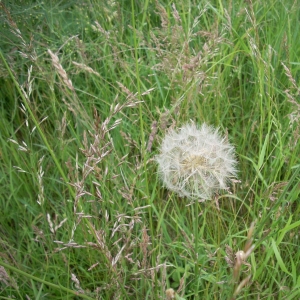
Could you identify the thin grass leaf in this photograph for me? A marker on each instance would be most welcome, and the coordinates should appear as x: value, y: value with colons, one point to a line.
x: 279, y: 258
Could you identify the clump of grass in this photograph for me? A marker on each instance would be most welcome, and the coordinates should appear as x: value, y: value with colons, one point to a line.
x: 88, y: 92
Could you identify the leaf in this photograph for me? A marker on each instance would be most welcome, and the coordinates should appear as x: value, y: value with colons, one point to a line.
x: 263, y: 152
x: 279, y: 259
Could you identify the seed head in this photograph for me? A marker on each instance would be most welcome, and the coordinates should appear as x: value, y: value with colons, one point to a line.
x: 196, y: 161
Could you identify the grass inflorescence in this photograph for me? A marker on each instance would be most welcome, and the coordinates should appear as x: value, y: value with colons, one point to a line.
x: 90, y: 93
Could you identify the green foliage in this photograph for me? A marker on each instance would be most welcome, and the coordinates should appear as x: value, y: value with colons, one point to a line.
x: 88, y: 91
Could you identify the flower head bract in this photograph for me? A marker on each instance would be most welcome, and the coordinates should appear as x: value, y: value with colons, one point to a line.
x: 196, y: 162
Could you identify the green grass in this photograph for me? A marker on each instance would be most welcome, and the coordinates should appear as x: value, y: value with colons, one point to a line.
x: 83, y: 213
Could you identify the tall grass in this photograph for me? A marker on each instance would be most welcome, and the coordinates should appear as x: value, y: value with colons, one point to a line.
x: 88, y: 91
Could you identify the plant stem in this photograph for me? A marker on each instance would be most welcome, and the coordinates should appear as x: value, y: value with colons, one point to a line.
x: 196, y: 237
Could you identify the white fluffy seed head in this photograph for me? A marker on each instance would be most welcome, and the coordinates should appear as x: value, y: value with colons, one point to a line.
x: 196, y: 161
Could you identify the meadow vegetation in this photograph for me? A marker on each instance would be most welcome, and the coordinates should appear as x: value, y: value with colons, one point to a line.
x: 88, y: 91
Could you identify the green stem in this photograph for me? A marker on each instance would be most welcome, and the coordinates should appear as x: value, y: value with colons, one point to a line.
x: 141, y: 114
x: 196, y: 237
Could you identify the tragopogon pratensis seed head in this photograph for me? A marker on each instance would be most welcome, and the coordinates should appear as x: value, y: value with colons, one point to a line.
x: 196, y: 161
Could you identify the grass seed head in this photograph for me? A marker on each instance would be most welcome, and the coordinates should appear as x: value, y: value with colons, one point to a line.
x: 196, y: 161
x: 170, y: 294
